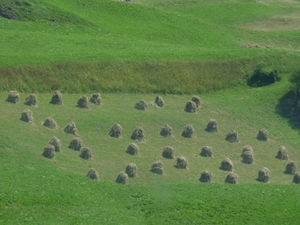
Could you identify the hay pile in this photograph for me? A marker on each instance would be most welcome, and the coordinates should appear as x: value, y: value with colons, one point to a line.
x: 75, y: 144
x: 190, y: 107
x: 205, y: 176
x: 138, y: 134
x: 86, y: 153
x: 206, y: 151
x: 93, y: 174
x: 226, y: 165
x: 282, y: 153
x: 197, y: 100
x: 212, y: 126
x: 83, y: 102
x: 57, y: 98
x: 262, y: 135
x: 232, y: 136
x: 246, y: 149
x: 26, y: 116
x: 31, y: 100
x: 296, y: 178
x: 49, y: 152
x: 141, y: 105
x: 115, y: 131
x: 159, y: 101
x: 231, y: 178
x: 188, y: 131
x: 168, y: 152
x: 264, y: 175
x: 71, y: 129
x: 181, y: 162
x: 55, y: 142
x: 166, y: 130
x: 122, y: 178
x: 132, y: 149
x: 95, y: 99
x: 50, y: 123
x: 157, y: 167
x: 131, y: 170
x: 291, y: 167
x: 13, y: 97
x: 247, y: 154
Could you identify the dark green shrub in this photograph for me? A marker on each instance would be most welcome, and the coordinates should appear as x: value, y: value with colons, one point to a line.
x: 262, y: 77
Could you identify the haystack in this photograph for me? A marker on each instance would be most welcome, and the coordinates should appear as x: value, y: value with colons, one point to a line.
x: 206, y: 151
x: 122, y: 178
x: 31, y: 100
x: 231, y: 178
x: 166, y: 130
x: 49, y: 151
x: 291, y: 167
x: 115, y: 131
x: 232, y: 136
x: 86, y: 153
x: 93, y: 174
x: 188, y: 131
x: 296, y: 178
x: 262, y: 135
x: 159, y: 101
x: 50, y: 123
x: 132, y: 149
x: 83, y: 102
x: 157, y: 167
x: 197, y: 100
x: 75, y: 144
x: 95, y: 99
x: 71, y: 129
x: 141, y: 105
x: 181, y: 162
x: 131, y: 170
x: 56, y: 144
x: 247, y: 148
x: 190, y: 107
x: 205, y: 176
x: 226, y: 165
x: 13, y: 97
x: 168, y: 152
x: 57, y: 98
x: 138, y: 134
x: 247, y: 157
x: 212, y: 126
x: 26, y: 116
x: 282, y: 153
x: 264, y: 175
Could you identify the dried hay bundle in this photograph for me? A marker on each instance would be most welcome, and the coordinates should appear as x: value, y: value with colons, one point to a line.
x: 226, y: 165
x: 83, y: 102
x: 159, y: 101
x: 232, y: 136
x: 31, y: 100
x: 75, y: 144
x: 181, y: 162
x: 141, y: 105
x: 212, y: 126
x: 247, y: 148
x: 71, y: 129
x: 86, y: 153
x: 296, y: 178
x: 190, y: 107
x: 197, y: 100
x: 291, y: 167
x: 122, y: 178
x: 188, y: 131
x: 132, y: 149
x: 206, y: 151
x: 115, y: 131
x: 168, y: 152
x: 93, y: 174
x: 131, y: 170
x: 57, y: 98
x: 157, y: 167
x: 26, y: 116
x: 205, y: 176
x: 56, y: 144
x: 49, y: 151
x: 264, y: 175
x: 13, y: 97
x: 262, y: 135
x: 95, y: 99
x: 231, y: 178
x: 166, y: 130
x: 50, y: 123
x: 247, y: 157
x: 138, y: 134
x: 282, y: 153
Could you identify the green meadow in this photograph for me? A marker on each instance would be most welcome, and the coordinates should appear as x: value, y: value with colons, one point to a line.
x: 133, y: 51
